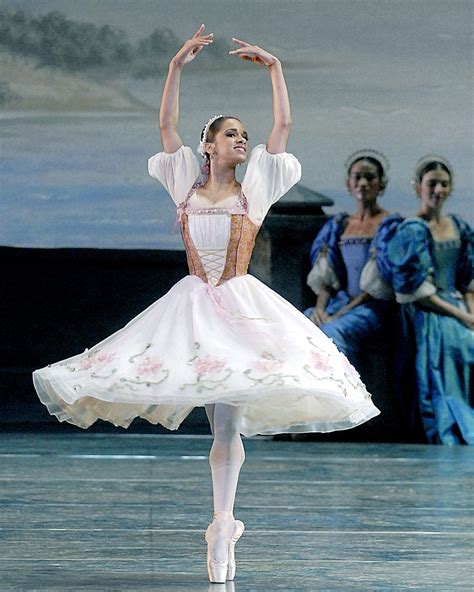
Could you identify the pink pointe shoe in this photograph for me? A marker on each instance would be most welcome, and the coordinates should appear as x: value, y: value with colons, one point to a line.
x: 221, y: 536
x: 238, y: 532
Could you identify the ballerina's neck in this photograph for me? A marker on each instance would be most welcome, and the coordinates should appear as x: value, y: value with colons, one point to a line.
x: 218, y: 188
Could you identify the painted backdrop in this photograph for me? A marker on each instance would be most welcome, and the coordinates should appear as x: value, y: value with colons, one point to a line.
x: 80, y: 84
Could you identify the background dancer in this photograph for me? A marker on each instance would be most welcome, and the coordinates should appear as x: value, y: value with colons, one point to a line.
x: 433, y: 276
x: 350, y: 274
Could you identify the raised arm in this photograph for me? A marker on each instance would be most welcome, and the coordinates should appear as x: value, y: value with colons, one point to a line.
x: 278, y: 137
x: 169, y: 107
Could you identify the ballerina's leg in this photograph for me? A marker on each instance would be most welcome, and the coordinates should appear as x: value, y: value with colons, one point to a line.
x: 226, y: 458
x: 227, y: 454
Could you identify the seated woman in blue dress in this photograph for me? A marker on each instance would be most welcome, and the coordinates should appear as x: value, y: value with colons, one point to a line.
x: 432, y: 258
x: 350, y: 275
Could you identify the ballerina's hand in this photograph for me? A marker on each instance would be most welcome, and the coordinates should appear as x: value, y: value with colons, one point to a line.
x: 193, y: 46
x: 253, y: 53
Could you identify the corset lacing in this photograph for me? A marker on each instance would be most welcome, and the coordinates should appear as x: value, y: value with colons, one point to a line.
x: 213, y: 260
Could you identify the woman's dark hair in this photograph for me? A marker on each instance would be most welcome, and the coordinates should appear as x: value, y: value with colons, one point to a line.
x: 215, y: 127
x: 378, y: 165
x: 432, y: 165
x: 372, y: 160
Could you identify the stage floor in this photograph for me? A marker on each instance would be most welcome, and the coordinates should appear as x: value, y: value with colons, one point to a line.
x: 126, y: 512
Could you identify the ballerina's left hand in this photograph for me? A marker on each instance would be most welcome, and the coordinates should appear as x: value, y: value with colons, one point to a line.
x: 253, y: 53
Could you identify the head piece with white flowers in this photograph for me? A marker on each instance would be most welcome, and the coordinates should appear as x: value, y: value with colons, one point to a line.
x: 432, y: 162
x: 374, y: 157
x: 205, y: 133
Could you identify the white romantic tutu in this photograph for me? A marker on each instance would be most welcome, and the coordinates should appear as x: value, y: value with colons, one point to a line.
x: 239, y: 343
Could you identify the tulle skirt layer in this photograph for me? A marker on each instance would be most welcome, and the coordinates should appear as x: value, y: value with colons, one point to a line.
x: 239, y: 343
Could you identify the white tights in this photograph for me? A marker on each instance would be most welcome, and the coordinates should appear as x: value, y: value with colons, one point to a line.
x: 227, y: 454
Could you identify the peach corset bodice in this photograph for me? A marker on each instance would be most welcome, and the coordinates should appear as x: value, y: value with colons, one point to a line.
x: 219, y: 240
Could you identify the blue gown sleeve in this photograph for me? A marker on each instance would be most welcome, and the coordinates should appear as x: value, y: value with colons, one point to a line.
x: 327, y: 241
x: 409, y: 256
x: 386, y: 231
x: 465, y: 267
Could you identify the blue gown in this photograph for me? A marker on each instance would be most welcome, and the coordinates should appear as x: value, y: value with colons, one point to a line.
x: 442, y: 346
x: 350, y: 266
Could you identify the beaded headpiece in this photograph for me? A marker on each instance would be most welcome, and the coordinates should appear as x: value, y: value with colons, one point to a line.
x: 368, y: 152
x: 432, y: 158
x: 205, y: 131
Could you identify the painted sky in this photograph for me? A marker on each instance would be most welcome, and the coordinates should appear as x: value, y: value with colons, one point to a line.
x: 394, y: 75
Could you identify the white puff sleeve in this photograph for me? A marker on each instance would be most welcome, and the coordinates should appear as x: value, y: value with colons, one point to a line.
x: 426, y: 289
x: 322, y: 274
x: 268, y: 177
x: 177, y: 171
x: 372, y: 282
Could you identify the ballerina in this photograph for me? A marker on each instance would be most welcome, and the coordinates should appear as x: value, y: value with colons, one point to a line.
x: 219, y: 338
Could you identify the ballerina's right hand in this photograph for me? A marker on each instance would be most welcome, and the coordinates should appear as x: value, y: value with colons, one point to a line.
x: 193, y: 46
x: 253, y: 53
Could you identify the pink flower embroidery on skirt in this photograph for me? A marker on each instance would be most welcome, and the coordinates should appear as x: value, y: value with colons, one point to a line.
x: 266, y: 364
x: 149, y: 366
x: 349, y: 369
x: 321, y: 362
x: 208, y: 365
x: 97, y: 361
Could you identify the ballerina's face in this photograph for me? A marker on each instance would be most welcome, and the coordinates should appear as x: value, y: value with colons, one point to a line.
x: 364, y: 182
x: 434, y: 189
x: 230, y: 143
